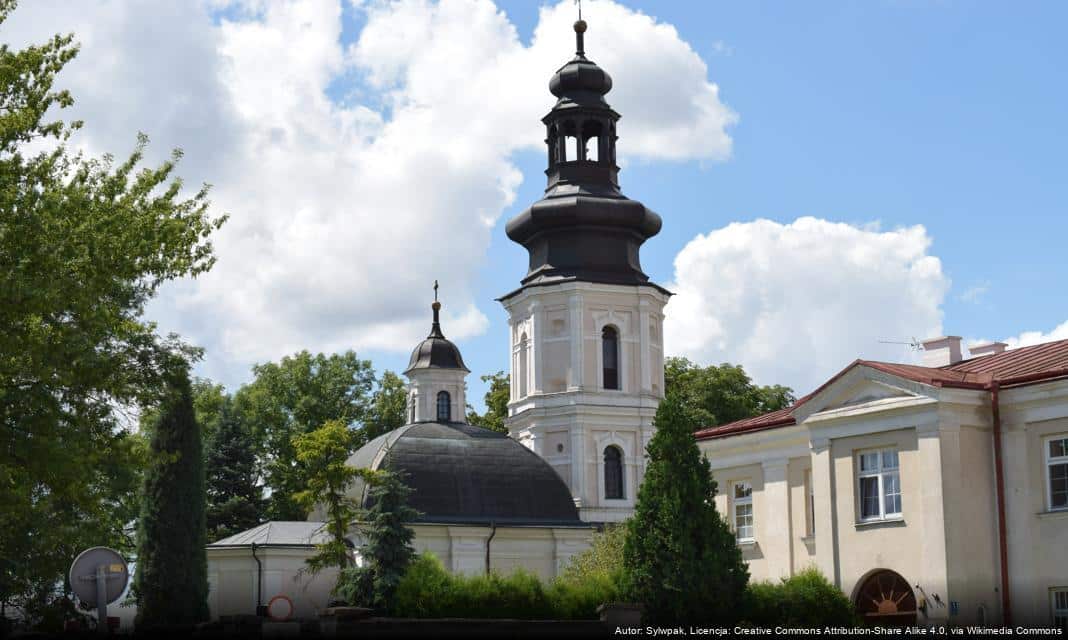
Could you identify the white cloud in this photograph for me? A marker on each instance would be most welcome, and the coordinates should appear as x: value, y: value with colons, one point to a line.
x: 794, y: 303
x: 975, y: 293
x: 341, y: 214
x: 1028, y: 338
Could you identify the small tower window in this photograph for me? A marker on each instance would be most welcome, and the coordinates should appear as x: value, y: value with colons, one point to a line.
x: 444, y: 406
x: 523, y: 366
x: 411, y: 409
x: 613, y: 473
x: 610, y: 357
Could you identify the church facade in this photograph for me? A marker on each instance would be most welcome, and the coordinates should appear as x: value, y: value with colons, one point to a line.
x: 587, y: 374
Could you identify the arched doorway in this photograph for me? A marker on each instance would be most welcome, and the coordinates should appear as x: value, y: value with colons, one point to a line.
x: 886, y: 599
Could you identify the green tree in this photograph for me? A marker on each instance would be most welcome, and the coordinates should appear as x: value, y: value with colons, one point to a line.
x: 496, y: 404
x: 172, y: 573
x: 718, y: 395
x: 84, y: 244
x: 387, y: 548
x: 294, y: 396
x: 324, y: 453
x: 389, y: 408
x: 680, y: 558
x: 235, y: 500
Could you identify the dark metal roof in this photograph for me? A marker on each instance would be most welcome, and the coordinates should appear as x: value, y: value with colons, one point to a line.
x: 584, y: 228
x: 461, y: 474
x: 436, y: 352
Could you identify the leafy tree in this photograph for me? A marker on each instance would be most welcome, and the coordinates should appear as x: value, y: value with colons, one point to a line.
x: 235, y: 501
x: 323, y: 453
x: 295, y: 396
x: 172, y: 573
x: 680, y: 558
x: 718, y: 395
x: 84, y: 244
x: 604, y: 558
x: 387, y: 548
x: 496, y: 404
x: 389, y: 408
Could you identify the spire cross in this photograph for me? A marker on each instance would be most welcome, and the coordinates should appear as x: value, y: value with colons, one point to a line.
x: 435, y: 291
x: 579, y: 3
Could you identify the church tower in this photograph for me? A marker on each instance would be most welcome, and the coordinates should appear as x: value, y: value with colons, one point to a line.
x: 436, y: 377
x: 587, y: 366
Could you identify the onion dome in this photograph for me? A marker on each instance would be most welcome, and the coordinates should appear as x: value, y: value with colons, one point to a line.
x: 436, y: 352
x: 580, y: 82
x: 461, y: 474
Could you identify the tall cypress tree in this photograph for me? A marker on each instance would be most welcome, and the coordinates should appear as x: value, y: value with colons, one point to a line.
x: 235, y: 501
x: 172, y: 575
x: 680, y: 558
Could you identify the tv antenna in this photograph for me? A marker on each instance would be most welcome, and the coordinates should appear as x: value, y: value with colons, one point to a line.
x: 98, y: 576
x: 914, y: 344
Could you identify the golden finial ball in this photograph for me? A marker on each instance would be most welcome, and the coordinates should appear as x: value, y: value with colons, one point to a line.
x: 580, y: 26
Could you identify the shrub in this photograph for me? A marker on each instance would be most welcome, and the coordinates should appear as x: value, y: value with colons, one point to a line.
x: 807, y: 599
x: 428, y: 590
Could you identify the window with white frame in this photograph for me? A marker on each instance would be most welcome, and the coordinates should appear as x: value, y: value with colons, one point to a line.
x: 1059, y: 607
x: 879, y: 484
x: 1057, y: 472
x: 743, y: 511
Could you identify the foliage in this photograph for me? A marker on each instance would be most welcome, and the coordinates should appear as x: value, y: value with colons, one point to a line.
x: 427, y: 590
x: 171, y: 576
x: 235, y: 501
x: 718, y: 395
x: 680, y: 558
x: 604, y: 558
x: 388, y: 408
x: 323, y: 453
x: 295, y: 396
x: 84, y: 244
x: 387, y: 548
x: 496, y: 404
x: 807, y: 599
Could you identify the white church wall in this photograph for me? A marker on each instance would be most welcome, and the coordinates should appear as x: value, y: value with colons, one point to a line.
x: 233, y: 574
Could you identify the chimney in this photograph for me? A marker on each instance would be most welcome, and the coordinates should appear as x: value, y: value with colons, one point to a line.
x: 941, y: 352
x: 987, y: 349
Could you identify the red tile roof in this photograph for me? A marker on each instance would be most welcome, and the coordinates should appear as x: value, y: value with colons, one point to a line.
x: 1025, y: 365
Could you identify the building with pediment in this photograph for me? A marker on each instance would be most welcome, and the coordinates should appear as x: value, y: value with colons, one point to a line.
x: 929, y: 494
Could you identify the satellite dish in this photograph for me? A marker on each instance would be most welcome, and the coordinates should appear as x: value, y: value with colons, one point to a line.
x: 98, y: 577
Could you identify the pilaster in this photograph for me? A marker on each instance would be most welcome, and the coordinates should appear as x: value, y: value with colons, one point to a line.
x: 773, y: 524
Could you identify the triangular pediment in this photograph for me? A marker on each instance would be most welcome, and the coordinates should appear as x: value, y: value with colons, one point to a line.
x: 862, y: 388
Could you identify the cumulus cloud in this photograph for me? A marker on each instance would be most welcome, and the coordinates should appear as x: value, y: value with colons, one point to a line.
x: 1028, y: 338
x: 794, y: 303
x: 343, y: 210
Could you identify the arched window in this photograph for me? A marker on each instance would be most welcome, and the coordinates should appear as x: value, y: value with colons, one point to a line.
x: 411, y: 409
x: 610, y: 357
x: 613, y: 473
x: 444, y: 406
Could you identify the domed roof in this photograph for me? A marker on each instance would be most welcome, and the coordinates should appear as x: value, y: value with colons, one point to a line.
x: 580, y: 81
x: 436, y: 352
x: 461, y: 474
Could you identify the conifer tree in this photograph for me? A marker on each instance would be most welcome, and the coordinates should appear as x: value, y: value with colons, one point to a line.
x: 171, y: 575
x: 387, y: 548
x: 680, y: 558
x: 235, y: 501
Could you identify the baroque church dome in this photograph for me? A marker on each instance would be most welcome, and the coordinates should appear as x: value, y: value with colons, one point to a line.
x: 462, y: 474
x: 459, y: 473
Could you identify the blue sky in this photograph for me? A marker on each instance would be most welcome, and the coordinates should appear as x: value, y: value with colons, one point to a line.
x: 949, y: 114
x: 830, y: 174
